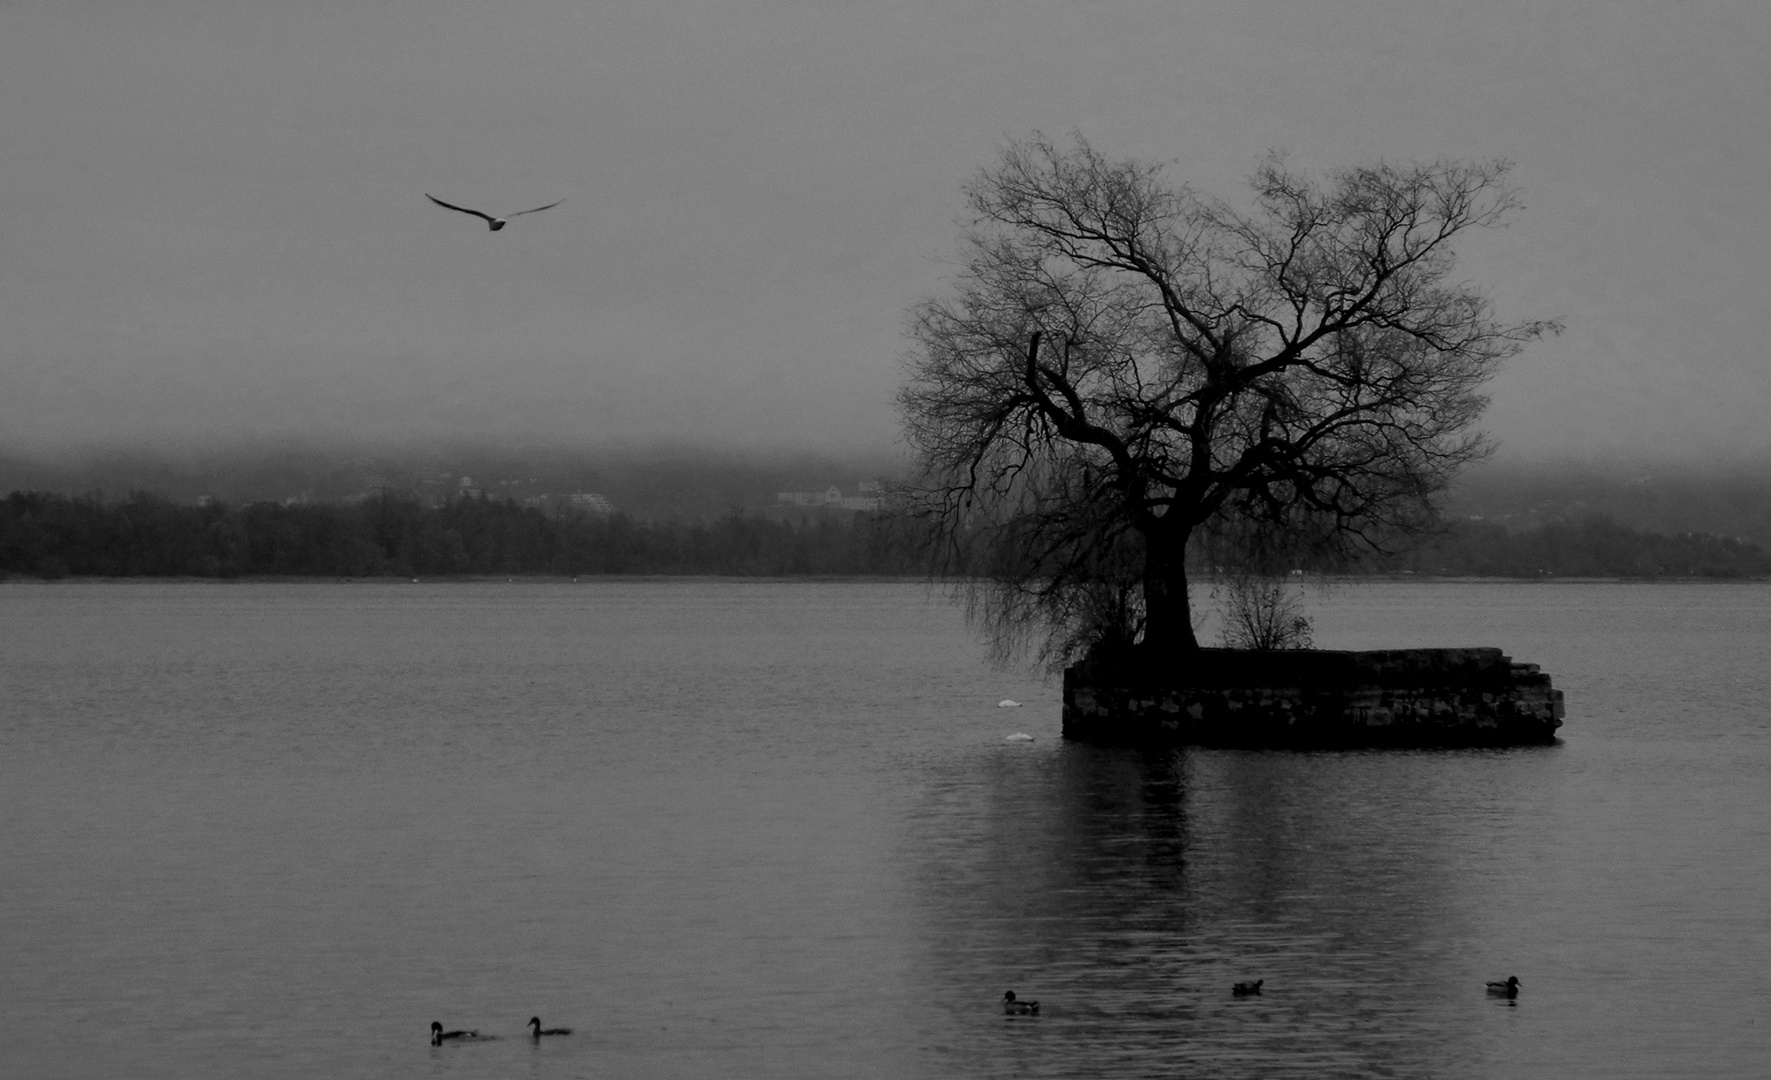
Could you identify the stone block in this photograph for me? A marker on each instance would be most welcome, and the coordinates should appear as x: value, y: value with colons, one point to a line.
x: 1394, y: 697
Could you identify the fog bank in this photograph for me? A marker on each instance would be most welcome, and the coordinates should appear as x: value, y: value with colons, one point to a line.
x: 217, y: 225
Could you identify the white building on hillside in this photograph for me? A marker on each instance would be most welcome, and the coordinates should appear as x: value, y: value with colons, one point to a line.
x: 832, y: 497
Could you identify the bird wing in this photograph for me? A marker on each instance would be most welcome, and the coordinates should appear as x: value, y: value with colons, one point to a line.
x: 537, y: 210
x: 463, y: 209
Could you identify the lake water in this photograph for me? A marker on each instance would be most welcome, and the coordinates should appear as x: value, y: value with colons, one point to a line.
x: 774, y: 830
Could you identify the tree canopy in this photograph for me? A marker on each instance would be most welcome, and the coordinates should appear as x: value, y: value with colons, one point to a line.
x: 1125, y: 367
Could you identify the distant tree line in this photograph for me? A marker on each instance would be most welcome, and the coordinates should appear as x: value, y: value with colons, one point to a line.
x: 53, y: 536
x: 1592, y: 547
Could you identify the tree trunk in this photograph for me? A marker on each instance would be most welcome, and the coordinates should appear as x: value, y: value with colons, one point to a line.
x: 1168, y: 613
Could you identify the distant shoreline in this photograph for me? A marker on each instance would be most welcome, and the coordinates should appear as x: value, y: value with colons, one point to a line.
x: 821, y: 579
x: 51, y: 537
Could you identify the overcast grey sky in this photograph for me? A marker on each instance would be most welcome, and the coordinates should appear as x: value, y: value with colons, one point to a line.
x: 215, y: 221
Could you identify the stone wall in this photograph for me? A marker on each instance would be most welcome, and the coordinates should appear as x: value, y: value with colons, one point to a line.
x: 1316, y: 698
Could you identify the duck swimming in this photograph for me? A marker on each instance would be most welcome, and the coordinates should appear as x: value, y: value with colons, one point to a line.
x: 438, y: 1036
x: 1246, y: 989
x: 1508, y: 989
x: 536, y: 1030
x: 1011, y: 1007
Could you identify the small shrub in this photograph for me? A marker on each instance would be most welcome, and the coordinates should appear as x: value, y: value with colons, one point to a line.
x: 1264, y: 612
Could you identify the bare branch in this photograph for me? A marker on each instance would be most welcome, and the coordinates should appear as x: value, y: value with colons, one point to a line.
x: 1124, y: 366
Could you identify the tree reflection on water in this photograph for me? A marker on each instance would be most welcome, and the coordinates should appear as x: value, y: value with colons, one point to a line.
x: 1129, y: 889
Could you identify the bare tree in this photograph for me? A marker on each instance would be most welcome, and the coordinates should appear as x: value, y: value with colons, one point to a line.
x: 1263, y: 611
x: 1125, y: 367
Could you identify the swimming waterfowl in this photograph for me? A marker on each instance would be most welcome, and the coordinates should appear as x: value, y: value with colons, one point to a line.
x: 1244, y: 989
x: 1509, y: 989
x: 493, y: 223
x: 537, y: 1030
x: 1018, y: 1008
x: 438, y: 1036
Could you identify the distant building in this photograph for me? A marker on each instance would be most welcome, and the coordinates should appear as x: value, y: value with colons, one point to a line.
x: 832, y: 496
x: 592, y: 502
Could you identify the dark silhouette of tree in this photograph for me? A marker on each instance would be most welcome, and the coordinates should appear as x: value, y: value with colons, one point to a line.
x: 1126, y: 367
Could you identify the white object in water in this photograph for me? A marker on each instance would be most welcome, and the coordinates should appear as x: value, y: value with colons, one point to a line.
x: 1019, y: 736
x: 1008, y: 703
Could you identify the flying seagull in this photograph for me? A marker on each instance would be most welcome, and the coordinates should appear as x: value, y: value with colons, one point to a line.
x: 493, y: 223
